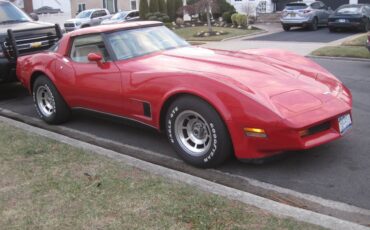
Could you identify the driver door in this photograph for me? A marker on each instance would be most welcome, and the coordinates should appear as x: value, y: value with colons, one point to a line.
x: 97, y: 85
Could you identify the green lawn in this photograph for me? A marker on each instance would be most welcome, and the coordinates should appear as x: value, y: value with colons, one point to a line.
x: 189, y: 32
x: 354, y: 48
x: 358, y: 41
x: 48, y: 185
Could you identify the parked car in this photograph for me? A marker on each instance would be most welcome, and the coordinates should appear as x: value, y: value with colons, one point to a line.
x: 368, y: 42
x: 354, y: 16
x: 47, y: 10
x: 123, y: 16
x: 210, y: 103
x: 20, y: 35
x: 86, y: 18
x: 305, y: 14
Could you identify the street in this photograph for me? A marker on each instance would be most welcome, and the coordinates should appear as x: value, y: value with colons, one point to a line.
x: 337, y: 171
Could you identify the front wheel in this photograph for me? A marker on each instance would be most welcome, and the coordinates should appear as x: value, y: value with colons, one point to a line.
x: 286, y: 27
x: 315, y: 24
x: 49, y: 104
x: 197, y: 132
x: 366, y: 26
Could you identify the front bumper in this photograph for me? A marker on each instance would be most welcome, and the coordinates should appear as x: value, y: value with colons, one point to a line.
x: 286, y: 135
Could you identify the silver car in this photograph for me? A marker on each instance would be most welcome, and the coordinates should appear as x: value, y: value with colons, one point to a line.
x: 87, y: 18
x: 305, y: 14
x: 123, y: 16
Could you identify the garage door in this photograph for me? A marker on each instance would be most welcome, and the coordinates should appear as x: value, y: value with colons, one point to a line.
x: 364, y: 1
x: 280, y: 5
x: 334, y: 4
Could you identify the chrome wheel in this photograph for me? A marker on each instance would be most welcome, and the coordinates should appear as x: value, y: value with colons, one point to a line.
x: 45, y: 101
x: 193, y: 133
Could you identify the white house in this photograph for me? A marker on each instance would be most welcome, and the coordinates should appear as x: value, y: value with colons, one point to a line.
x: 64, y: 5
x: 269, y: 6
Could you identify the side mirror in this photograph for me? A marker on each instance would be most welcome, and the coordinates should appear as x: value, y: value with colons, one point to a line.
x: 34, y: 16
x: 94, y: 57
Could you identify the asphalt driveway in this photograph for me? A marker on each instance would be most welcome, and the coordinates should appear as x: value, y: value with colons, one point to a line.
x: 304, y: 35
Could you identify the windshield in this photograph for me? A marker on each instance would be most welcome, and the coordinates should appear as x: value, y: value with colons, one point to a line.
x: 84, y: 14
x: 296, y: 6
x: 349, y: 10
x: 118, y: 16
x: 138, y: 42
x: 10, y: 14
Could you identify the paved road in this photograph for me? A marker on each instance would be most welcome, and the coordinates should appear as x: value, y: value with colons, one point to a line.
x: 304, y: 35
x: 338, y: 171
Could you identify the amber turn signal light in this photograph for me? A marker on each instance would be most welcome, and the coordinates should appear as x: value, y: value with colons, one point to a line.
x: 255, y: 132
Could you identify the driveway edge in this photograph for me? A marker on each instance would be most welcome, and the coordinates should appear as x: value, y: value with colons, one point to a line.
x: 339, y: 58
x: 274, y: 207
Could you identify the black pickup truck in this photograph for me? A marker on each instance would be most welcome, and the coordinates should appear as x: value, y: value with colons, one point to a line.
x: 20, y: 35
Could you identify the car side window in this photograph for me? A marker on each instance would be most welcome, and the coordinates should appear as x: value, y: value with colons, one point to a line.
x: 315, y: 5
x: 95, y: 14
x: 84, y: 45
x: 103, y: 13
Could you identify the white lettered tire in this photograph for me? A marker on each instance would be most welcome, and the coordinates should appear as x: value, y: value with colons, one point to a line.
x: 197, y: 132
x: 49, y: 104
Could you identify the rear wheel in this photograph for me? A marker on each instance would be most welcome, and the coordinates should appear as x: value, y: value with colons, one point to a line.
x: 286, y: 27
x: 366, y: 26
x: 315, y: 24
x: 197, y: 132
x: 49, y: 104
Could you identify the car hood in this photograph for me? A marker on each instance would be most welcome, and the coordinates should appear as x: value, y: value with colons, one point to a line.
x: 112, y: 21
x: 74, y: 20
x: 31, y: 25
x: 293, y: 85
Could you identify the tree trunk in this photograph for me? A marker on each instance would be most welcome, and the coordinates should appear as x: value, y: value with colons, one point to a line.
x: 209, y: 19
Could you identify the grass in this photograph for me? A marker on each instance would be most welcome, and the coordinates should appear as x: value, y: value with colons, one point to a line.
x: 358, y: 41
x: 354, y: 48
x: 48, y: 185
x: 189, y: 32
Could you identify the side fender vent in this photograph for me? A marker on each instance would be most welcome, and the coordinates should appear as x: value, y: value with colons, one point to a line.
x: 147, y: 109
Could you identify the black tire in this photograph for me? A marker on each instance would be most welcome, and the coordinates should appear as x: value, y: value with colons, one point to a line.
x: 85, y: 26
x: 314, y: 25
x: 215, y: 131
x: 366, y: 26
x: 286, y: 28
x: 332, y: 29
x: 59, y: 111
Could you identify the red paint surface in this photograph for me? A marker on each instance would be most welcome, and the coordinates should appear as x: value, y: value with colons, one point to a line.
x: 277, y: 91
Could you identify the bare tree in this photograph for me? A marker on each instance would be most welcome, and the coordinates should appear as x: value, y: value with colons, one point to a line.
x: 203, y: 6
x: 249, y: 9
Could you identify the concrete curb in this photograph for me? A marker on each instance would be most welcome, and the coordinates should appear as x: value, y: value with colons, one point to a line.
x: 274, y: 207
x: 339, y: 58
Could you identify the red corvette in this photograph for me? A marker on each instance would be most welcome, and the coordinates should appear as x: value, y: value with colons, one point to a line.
x: 210, y: 103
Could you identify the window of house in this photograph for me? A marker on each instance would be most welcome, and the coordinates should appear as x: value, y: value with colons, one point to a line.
x: 133, y: 5
x: 81, y: 7
x: 110, y: 5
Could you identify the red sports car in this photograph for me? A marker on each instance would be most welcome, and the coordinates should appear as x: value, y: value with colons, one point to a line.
x: 210, y: 103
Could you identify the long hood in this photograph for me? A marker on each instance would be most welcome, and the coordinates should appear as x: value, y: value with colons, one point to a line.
x: 292, y: 86
x: 31, y: 25
x: 75, y: 20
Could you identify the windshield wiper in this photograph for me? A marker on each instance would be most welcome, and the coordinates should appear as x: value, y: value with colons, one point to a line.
x: 12, y: 21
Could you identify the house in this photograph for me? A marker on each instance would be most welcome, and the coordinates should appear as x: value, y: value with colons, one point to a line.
x: 64, y: 5
x: 112, y: 5
x: 269, y: 6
